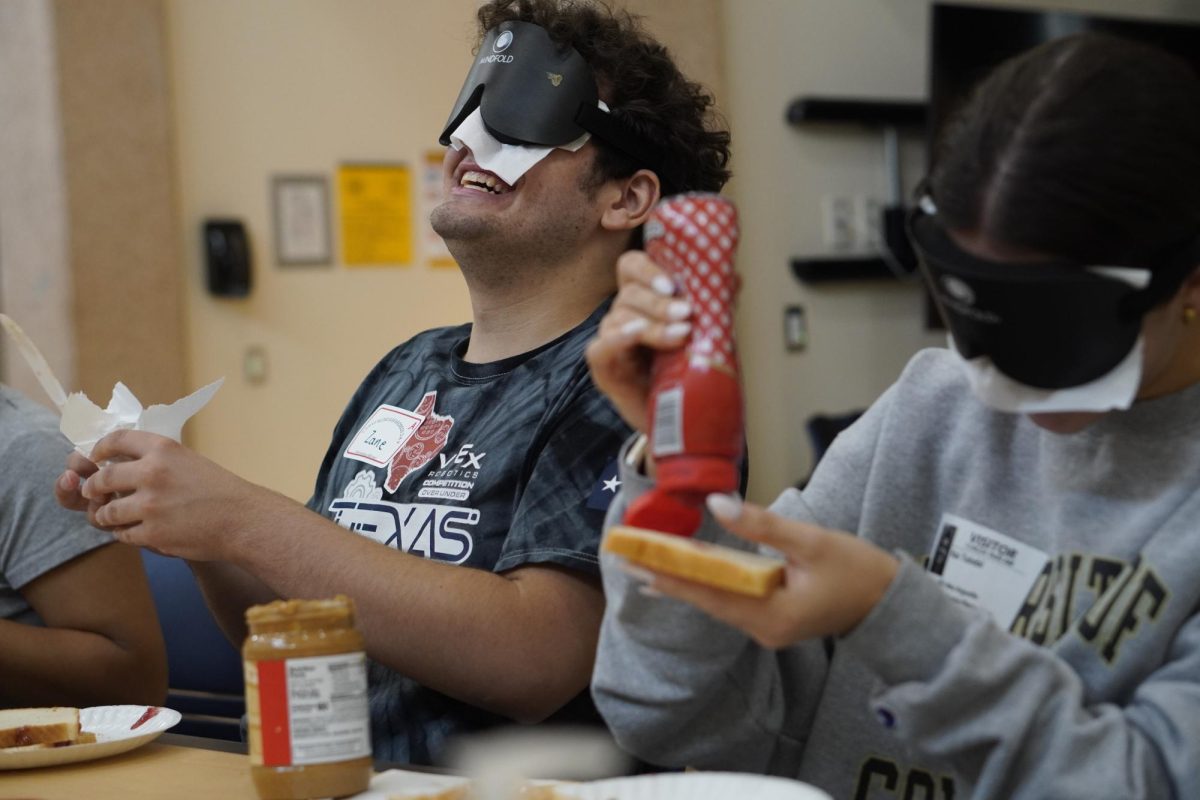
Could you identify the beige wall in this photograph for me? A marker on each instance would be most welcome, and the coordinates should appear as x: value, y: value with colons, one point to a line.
x: 285, y: 86
x: 276, y: 86
x: 127, y: 302
x: 301, y: 85
x: 87, y: 226
x: 862, y: 333
x: 35, y: 280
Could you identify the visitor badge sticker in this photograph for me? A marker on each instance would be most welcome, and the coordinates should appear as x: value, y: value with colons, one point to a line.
x: 382, y: 435
x: 983, y: 568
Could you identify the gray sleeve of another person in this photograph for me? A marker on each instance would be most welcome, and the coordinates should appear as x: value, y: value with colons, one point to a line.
x: 36, y: 533
x: 678, y: 688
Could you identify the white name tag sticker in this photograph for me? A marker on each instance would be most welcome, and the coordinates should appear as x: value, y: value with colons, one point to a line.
x: 382, y: 435
x: 983, y: 568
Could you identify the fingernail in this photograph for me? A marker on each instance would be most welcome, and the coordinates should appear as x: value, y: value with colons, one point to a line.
x: 679, y: 309
x: 677, y: 330
x: 728, y: 506
x: 83, y: 488
x: 663, y: 285
x: 637, y: 573
x: 649, y: 591
x: 634, y: 326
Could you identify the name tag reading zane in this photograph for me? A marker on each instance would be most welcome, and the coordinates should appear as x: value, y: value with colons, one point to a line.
x: 384, y: 433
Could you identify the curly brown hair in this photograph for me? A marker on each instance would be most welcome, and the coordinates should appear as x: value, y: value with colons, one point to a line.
x: 641, y: 85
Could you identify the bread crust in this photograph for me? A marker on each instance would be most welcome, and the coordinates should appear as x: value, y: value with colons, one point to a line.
x: 22, y: 727
x: 702, y: 562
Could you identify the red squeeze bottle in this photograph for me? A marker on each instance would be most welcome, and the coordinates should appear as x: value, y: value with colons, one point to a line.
x: 696, y: 433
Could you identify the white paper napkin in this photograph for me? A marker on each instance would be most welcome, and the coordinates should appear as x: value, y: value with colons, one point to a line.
x: 85, y: 423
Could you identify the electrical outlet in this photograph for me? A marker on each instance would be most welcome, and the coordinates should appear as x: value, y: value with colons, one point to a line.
x: 795, y: 329
x: 837, y: 222
x: 254, y: 364
x: 868, y: 223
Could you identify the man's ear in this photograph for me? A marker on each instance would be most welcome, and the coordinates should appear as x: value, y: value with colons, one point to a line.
x: 629, y: 203
x: 1190, y: 290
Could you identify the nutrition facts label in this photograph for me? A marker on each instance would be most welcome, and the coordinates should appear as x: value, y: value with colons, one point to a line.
x: 314, y: 710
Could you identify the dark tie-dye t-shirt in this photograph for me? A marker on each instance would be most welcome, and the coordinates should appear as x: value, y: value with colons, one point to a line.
x: 492, y: 466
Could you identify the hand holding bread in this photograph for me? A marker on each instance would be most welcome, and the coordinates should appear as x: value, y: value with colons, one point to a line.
x: 831, y: 580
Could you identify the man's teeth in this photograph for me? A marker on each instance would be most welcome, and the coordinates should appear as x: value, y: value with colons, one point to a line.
x: 483, y: 182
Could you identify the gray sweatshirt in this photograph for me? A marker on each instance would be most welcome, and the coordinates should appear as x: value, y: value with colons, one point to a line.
x: 1040, y: 640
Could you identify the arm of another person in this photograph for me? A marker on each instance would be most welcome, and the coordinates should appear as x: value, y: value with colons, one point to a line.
x: 676, y: 686
x: 228, y: 590
x: 1017, y: 719
x: 520, y: 643
x: 101, y: 644
x: 681, y: 689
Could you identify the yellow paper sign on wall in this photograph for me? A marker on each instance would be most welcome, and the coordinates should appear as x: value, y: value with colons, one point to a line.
x: 436, y: 252
x: 375, y: 202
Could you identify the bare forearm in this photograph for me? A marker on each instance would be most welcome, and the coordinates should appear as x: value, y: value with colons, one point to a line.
x: 489, y: 640
x: 229, y: 591
x: 56, y: 666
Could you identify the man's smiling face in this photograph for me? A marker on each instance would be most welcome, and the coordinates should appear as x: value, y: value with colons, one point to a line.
x: 546, y: 215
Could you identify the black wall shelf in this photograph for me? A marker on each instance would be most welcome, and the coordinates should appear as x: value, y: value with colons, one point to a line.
x: 888, y: 117
x: 880, y: 113
x: 832, y: 269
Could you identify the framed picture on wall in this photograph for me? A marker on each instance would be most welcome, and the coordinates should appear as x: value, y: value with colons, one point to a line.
x: 301, y: 211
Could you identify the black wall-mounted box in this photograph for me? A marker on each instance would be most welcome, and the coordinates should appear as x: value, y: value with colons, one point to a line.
x: 227, y: 258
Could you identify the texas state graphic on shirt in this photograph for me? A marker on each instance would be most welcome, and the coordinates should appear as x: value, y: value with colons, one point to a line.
x: 434, y: 531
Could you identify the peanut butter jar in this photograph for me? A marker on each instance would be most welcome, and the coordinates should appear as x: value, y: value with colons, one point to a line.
x: 306, y: 700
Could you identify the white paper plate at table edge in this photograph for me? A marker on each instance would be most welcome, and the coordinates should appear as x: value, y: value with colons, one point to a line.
x: 402, y: 782
x: 692, y: 786
x: 114, y: 734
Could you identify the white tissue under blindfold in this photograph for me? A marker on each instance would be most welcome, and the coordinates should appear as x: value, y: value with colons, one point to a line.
x: 1039, y: 337
x: 524, y: 90
x: 508, y: 161
x: 1113, y: 391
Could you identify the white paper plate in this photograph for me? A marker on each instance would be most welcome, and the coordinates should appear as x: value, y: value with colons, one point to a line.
x: 113, y: 726
x: 692, y: 786
x: 405, y: 783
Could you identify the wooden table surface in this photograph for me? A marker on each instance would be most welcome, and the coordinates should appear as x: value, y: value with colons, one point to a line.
x: 172, y: 767
x: 152, y: 772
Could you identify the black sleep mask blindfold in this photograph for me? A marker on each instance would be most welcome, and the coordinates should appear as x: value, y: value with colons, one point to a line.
x: 531, y: 91
x: 1046, y: 324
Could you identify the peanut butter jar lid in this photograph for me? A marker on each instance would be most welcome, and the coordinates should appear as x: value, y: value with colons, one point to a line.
x: 338, y: 609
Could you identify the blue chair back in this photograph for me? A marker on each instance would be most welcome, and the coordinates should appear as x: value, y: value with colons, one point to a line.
x: 822, y: 429
x: 204, y: 669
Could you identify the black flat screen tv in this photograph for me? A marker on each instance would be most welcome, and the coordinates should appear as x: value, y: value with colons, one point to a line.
x: 968, y: 41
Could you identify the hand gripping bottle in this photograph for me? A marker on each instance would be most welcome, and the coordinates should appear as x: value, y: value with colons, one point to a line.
x: 696, y: 435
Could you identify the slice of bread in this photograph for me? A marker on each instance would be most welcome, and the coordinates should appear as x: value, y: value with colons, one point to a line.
x: 84, y: 738
x: 703, y: 562
x: 540, y: 790
x: 21, y: 727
